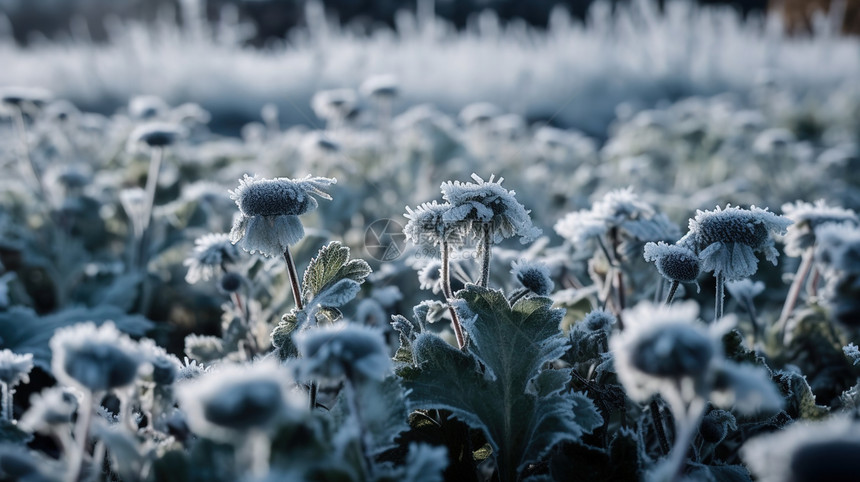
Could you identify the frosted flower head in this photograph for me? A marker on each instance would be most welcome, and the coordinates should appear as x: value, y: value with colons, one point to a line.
x: 231, y: 282
x: 479, y: 113
x: 745, y: 288
x: 426, y: 225
x: 269, y: 208
x: 335, y: 104
x: 621, y: 205
x: 726, y: 240
x: 808, y: 217
x: 15, y: 368
x: 144, y: 107
x: 156, y: 134
x: 165, y: 367
x: 806, y: 452
x: 675, y: 263
x: 342, y: 350
x: 487, y: 203
x: 534, y: 276
x: 579, y: 227
x: 51, y: 408
x: 599, y: 320
x: 95, y: 358
x: 212, y: 254
x: 382, y: 86
x: 837, y: 246
x: 24, y: 96
x: 664, y: 346
x: 430, y: 276
x: 190, y: 369
x: 234, y: 399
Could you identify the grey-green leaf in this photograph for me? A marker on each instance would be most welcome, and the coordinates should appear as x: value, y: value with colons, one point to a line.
x: 332, y: 264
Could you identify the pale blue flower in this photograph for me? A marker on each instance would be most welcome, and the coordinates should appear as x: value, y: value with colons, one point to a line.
x: 487, y: 203
x: 334, y: 105
x: 50, y: 409
x: 269, y: 208
x: 726, y: 240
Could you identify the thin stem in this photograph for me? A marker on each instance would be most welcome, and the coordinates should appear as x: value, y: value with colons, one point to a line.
x: 82, y: 427
x: 21, y: 127
x: 719, y: 296
x: 6, y: 402
x: 657, y: 417
x: 796, y: 284
x: 812, y: 287
x: 485, y: 256
x: 294, y: 278
x: 449, y: 295
x: 672, y: 289
x: 352, y: 401
x: 619, y: 277
x: 686, y: 426
x: 750, y: 307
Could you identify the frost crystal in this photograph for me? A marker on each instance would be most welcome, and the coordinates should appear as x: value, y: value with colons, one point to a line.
x: 212, y: 253
x: 534, y: 276
x: 487, y: 203
x: 269, y: 208
x: 808, y: 217
x: 726, y: 240
x: 806, y: 452
x: 675, y: 263
x: 94, y: 358
x: 342, y: 349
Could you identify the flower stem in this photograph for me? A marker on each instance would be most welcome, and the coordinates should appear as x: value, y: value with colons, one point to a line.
x: 297, y: 296
x: 794, y: 290
x: 27, y: 159
x: 672, y: 289
x: 363, y: 445
x: 686, y: 426
x: 657, y: 417
x: 449, y: 295
x: 719, y: 296
x: 485, y: 257
x: 6, y: 402
x: 82, y: 428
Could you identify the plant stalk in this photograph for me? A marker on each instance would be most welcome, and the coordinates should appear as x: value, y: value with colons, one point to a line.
x: 672, y: 289
x: 485, y: 256
x: 449, y: 295
x: 297, y: 296
x: 796, y: 285
x: 719, y: 296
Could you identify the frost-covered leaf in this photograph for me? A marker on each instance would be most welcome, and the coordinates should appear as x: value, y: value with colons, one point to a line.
x: 331, y: 265
x: 282, y: 338
x: 497, y: 387
x: 122, y: 293
x: 383, y: 412
x: 337, y: 294
x: 800, y: 401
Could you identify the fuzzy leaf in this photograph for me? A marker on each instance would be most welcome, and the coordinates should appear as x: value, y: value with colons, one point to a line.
x: 800, y: 401
x: 383, y: 411
x: 498, y: 387
x: 282, y: 337
x: 331, y: 265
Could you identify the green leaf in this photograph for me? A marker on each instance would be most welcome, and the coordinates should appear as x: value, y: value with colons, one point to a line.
x: 499, y: 387
x: 282, y: 338
x: 332, y: 264
x: 800, y: 401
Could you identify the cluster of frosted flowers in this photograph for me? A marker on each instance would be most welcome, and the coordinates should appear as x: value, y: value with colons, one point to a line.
x: 726, y: 240
x: 808, y: 217
x: 269, y: 209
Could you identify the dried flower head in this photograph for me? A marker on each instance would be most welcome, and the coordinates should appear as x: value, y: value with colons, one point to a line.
x: 487, y: 203
x: 808, y: 217
x: 343, y: 350
x: 190, y: 370
x: 155, y: 134
x: 51, y: 408
x: 234, y: 399
x: 15, y: 368
x: 94, y: 358
x: 675, y: 263
x: 231, y: 282
x: 806, y: 452
x: 726, y: 240
x: 534, y: 276
x: 212, y: 254
x: 269, y: 208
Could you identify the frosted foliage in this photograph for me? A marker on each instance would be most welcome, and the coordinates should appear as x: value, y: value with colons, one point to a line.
x: 343, y: 349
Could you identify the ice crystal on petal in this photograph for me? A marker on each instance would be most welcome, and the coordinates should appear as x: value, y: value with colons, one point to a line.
x: 487, y: 203
x: 726, y: 240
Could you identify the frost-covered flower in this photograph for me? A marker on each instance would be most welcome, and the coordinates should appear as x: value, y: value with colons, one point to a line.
x: 597, y: 320
x: 479, y: 113
x: 487, y: 204
x: 19, y: 96
x: 143, y: 107
x: 204, y: 348
x: 342, y: 350
x: 806, y: 452
x: 190, y: 370
x: 334, y: 105
x: 745, y: 289
x: 94, y: 358
x: 837, y: 247
x: 165, y: 367
x: 427, y: 226
x: 579, y: 227
x: 384, y: 86
x: 155, y: 134
x: 269, y: 208
x: 534, y: 276
x: 15, y: 368
x: 230, y: 283
x: 235, y: 399
x: 675, y: 263
x: 662, y: 346
x: 211, y: 255
x: 808, y: 217
x: 726, y: 240
x: 51, y: 408
x: 430, y: 276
